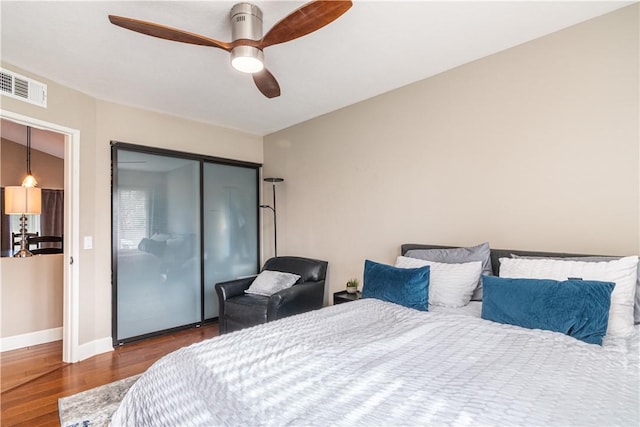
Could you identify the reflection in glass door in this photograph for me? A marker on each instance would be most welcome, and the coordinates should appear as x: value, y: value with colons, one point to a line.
x: 181, y: 223
x: 230, y: 227
x: 156, y: 212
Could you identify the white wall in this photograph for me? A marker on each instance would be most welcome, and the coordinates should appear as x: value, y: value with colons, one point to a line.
x: 536, y: 147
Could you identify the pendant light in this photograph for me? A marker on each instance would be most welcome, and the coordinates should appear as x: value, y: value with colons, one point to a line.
x: 29, y: 181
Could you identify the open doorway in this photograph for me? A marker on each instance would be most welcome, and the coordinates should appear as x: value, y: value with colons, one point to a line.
x: 23, y: 146
x: 70, y: 265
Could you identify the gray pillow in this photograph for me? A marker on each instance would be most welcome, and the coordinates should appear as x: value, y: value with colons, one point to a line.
x: 636, y: 305
x: 482, y: 253
x: 269, y: 282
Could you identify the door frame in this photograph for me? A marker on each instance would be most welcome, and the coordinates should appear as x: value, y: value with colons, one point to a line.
x: 71, y: 269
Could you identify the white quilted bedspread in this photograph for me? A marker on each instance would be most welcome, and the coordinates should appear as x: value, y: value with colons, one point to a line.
x: 379, y: 364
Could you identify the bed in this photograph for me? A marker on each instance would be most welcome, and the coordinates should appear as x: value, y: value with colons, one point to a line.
x: 373, y: 362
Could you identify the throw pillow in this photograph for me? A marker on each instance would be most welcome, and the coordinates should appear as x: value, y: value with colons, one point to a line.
x: 151, y: 246
x: 269, y: 282
x: 578, y: 308
x: 481, y: 253
x: 160, y: 237
x: 405, y: 286
x: 622, y: 272
x: 450, y: 285
x: 594, y: 258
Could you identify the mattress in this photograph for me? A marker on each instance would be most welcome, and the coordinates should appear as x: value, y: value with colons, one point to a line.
x: 375, y: 363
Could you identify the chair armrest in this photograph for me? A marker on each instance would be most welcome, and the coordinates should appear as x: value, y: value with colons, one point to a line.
x: 296, y: 299
x: 233, y: 288
x: 226, y: 290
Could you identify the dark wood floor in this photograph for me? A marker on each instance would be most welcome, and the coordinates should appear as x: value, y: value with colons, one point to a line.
x: 32, y: 379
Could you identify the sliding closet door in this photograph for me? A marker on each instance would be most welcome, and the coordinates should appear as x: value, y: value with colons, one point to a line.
x: 156, y: 239
x: 230, y: 227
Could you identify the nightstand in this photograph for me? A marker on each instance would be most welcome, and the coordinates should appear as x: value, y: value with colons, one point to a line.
x: 344, y: 296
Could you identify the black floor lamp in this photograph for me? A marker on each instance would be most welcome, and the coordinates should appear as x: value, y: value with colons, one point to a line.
x: 275, y: 230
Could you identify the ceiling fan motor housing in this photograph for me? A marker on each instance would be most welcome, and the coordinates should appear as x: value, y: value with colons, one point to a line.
x: 246, y: 23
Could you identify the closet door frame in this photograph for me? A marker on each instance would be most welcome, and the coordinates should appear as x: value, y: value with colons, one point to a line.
x: 115, y: 147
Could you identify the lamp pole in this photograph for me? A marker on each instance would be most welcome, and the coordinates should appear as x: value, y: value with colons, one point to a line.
x: 275, y: 221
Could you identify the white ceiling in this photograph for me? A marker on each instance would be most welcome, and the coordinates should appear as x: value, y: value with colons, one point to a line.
x: 375, y: 47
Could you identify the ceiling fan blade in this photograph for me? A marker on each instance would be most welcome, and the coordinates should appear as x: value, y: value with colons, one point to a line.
x: 307, y: 19
x: 167, y: 33
x: 267, y: 84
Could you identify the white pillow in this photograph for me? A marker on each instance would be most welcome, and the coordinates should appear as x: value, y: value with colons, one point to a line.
x: 450, y: 285
x: 269, y: 282
x: 623, y: 272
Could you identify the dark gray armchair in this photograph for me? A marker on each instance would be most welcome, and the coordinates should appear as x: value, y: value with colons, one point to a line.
x: 239, y: 310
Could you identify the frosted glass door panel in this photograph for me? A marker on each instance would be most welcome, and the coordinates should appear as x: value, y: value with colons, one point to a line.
x: 157, y: 213
x: 230, y: 228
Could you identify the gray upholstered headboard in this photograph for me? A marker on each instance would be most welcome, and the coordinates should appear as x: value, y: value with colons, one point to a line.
x: 496, y: 254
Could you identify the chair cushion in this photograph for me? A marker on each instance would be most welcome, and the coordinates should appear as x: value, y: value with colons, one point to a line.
x: 247, y: 309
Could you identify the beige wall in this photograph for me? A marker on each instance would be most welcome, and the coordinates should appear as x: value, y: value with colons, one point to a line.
x: 100, y: 122
x: 31, y: 294
x: 536, y: 147
x: 48, y: 170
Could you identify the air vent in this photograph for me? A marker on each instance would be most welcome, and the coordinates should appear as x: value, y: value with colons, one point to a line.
x: 16, y: 86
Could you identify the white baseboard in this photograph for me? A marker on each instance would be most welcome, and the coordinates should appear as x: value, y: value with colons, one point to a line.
x: 32, y: 338
x: 85, y: 351
x: 92, y: 348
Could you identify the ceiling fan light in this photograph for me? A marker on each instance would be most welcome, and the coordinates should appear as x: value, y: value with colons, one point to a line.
x: 247, y: 64
x: 247, y: 59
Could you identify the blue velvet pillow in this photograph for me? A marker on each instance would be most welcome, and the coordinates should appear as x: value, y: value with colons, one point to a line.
x: 405, y: 286
x: 578, y: 308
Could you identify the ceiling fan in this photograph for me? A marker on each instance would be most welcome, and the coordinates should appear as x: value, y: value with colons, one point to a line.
x: 246, y: 32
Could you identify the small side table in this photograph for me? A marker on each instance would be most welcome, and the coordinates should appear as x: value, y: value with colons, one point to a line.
x: 344, y: 296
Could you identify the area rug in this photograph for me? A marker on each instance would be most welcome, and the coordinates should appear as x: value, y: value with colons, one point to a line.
x: 93, y: 407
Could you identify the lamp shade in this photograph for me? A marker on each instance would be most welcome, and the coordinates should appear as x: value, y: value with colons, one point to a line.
x: 22, y: 200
